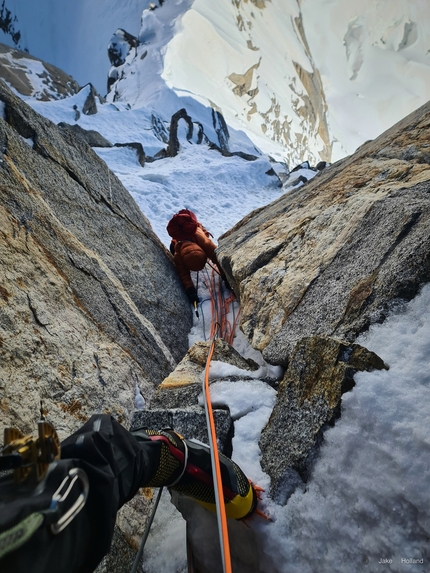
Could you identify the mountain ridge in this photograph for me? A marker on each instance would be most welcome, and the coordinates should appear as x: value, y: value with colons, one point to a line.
x: 305, y: 80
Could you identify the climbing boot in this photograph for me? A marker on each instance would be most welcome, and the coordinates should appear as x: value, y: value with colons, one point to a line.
x: 185, y: 466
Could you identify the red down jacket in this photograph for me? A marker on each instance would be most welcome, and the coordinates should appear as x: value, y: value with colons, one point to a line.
x: 192, y: 254
x: 191, y: 247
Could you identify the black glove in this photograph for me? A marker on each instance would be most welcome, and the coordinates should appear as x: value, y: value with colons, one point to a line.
x: 192, y: 295
x: 227, y: 284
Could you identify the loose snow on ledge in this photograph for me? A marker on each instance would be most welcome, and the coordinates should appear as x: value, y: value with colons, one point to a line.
x: 367, y: 499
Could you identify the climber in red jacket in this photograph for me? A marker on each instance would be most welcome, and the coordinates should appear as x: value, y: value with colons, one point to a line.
x: 191, y: 247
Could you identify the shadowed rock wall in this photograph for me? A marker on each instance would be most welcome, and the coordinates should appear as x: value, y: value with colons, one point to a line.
x: 90, y: 304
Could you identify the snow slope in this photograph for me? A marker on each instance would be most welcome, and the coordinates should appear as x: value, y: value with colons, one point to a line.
x: 304, y: 78
x: 220, y: 190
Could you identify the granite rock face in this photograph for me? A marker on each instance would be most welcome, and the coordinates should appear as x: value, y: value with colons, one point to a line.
x: 315, y: 268
x: 91, y: 310
x: 90, y: 305
x: 320, y: 371
x: 184, y: 384
x: 329, y: 258
x: 223, y: 352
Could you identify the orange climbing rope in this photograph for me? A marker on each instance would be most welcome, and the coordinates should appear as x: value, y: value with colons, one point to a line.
x: 223, y: 328
x: 216, y: 471
x: 221, y: 307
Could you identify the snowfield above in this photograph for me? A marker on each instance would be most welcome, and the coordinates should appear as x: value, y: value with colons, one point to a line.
x: 220, y: 190
x: 305, y: 80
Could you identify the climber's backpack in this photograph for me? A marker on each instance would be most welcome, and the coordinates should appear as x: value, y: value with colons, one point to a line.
x: 183, y: 225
